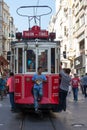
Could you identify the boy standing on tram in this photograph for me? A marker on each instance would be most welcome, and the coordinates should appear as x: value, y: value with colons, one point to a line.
x: 38, y: 80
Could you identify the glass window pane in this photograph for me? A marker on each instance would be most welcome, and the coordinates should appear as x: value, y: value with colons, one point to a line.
x: 42, y: 59
x: 31, y: 60
x: 15, y: 61
x: 20, y: 60
x: 12, y: 60
x: 52, y: 60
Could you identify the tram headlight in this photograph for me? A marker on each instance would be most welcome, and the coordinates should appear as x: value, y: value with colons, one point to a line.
x: 36, y: 42
x: 64, y: 54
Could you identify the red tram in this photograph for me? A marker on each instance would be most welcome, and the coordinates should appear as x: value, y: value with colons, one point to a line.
x: 35, y: 48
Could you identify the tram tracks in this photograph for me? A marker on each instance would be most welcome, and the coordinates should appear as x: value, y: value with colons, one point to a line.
x: 52, y: 122
x: 27, y: 122
x: 21, y: 124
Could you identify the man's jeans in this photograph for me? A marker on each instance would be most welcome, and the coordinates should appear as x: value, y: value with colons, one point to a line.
x: 62, y: 100
x: 1, y: 93
x: 85, y: 87
x: 37, y: 93
x: 11, y: 96
x: 75, y: 93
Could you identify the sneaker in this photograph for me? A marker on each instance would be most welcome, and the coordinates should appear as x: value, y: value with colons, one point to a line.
x: 15, y: 110
x: 37, y: 111
x: 39, y: 99
x: 1, y: 98
x: 12, y: 110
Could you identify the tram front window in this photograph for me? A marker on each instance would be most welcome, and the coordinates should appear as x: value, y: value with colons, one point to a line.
x: 52, y: 60
x: 31, y: 58
x: 43, y: 59
x: 19, y: 60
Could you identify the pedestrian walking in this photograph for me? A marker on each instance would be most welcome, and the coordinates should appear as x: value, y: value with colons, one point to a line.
x: 64, y: 87
x: 81, y: 84
x: 38, y: 80
x: 2, y: 86
x: 75, y: 83
x: 85, y: 84
x: 10, y: 84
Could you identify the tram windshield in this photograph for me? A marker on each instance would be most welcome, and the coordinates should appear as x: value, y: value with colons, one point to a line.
x: 27, y: 61
x: 42, y: 59
x: 36, y: 58
x: 31, y: 60
x: 19, y: 60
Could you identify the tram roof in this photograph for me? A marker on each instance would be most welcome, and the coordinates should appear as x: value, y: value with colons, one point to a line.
x: 35, y: 42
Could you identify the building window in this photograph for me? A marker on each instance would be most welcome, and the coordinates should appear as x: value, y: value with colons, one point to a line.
x: 82, y: 47
x: 65, y: 31
x: 77, y: 24
x: 77, y: 8
x: 82, y: 20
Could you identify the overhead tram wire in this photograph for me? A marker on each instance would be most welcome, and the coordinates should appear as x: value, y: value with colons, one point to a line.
x: 37, y: 5
x: 35, y: 12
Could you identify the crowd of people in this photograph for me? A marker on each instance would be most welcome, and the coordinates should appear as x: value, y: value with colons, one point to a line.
x: 66, y: 80
x: 7, y: 87
x: 79, y: 83
x: 76, y: 83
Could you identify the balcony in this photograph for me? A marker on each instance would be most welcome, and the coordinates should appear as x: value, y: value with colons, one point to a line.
x: 5, y: 7
x: 81, y: 5
x: 5, y: 36
x: 82, y: 52
x: 76, y: 11
x: 79, y: 31
x: 76, y: 2
x: 79, y: 15
x: 85, y: 3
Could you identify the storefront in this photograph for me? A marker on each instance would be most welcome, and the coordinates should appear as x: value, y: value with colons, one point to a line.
x: 3, y: 63
x: 79, y: 65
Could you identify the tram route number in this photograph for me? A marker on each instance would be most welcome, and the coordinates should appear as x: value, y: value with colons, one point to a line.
x: 55, y: 81
x: 55, y: 87
x: 16, y: 80
x: 55, y: 94
x: 18, y: 94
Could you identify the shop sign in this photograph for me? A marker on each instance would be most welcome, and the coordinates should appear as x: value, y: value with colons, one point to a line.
x: 78, y: 62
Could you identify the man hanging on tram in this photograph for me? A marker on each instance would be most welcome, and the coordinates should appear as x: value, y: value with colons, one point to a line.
x: 38, y: 80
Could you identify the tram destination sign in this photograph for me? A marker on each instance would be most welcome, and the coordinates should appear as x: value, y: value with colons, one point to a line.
x: 35, y: 32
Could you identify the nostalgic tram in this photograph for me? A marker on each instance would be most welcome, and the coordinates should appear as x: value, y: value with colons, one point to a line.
x: 36, y: 47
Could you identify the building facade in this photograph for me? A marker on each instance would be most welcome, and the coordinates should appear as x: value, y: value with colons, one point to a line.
x: 7, y: 30
x: 63, y: 28
x: 70, y: 25
x: 80, y: 34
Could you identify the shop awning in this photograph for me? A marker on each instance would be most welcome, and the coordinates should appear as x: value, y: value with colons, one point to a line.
x: 3, y: 61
